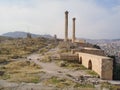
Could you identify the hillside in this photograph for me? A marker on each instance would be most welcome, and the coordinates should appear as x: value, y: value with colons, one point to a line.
x: 17, y: 48
x: 110, y: 46
x: 19, y: 34
x: 2, y: 38
x: 102, y: 41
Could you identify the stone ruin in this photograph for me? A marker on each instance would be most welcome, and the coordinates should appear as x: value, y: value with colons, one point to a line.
x: 90, y: 57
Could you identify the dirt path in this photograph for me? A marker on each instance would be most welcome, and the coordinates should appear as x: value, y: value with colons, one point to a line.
x: 53, y: 69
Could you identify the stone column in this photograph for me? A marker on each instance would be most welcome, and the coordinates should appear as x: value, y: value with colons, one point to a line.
x: 66, y: 26
x: 73, y: 36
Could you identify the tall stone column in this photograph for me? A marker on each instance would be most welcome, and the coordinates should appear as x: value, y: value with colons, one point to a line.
x: 66, y: 26
x: 73, y: 36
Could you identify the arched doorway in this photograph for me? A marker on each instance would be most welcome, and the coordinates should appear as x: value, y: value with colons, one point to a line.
x: 89, y: 64
x: 80, y: 60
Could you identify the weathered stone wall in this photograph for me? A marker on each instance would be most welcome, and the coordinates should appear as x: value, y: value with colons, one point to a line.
x: 80, y: 41
x: 107, y: 69
x: 101, y: 65
x: 84, y: 44
x: 94, y: 51
x: 89, y: 51
x: 69, y: 57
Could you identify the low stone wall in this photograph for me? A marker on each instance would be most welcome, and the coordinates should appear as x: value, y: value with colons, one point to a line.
x: 85, y: 44
x: 89, y: 51
x: 80, y: 41
x: 95, y: 52
x: 69, y: 57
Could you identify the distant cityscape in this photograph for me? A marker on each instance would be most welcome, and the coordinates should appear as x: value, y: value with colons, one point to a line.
x: 111, y: 47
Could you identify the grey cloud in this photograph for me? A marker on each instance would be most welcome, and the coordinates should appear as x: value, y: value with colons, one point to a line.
x: 47, y: 16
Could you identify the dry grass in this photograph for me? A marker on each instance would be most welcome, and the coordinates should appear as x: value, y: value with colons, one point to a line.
x: 109, y: 86
x: 3, y: 59
x: 64, y: 83
x: 17, y: 48
x: 22, y: 71
x: 46, y: 59
x: 71, y: 65
x: 58, y: 82
x: 24, y: 77
x: 91, y: 72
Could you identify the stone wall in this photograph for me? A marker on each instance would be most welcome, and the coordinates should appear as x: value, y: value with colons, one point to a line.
x: 100, y: 64
x: 89, y: 51
x: 80, y: 41
x: 84, y: 44
x: 107, y: 69
x: 69, y: 57
x: 93, y: 51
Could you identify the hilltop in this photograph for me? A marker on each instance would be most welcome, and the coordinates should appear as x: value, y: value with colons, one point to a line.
x: 35, y: 61
x: 19, y: 34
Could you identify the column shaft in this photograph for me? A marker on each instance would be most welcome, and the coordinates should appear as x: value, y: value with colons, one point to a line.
x: 66, y: 26
x: 73, y: 36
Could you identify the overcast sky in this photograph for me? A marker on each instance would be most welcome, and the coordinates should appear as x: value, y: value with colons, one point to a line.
x: 95, y: 19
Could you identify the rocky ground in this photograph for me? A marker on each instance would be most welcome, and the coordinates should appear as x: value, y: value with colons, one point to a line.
x: 55, y: 77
